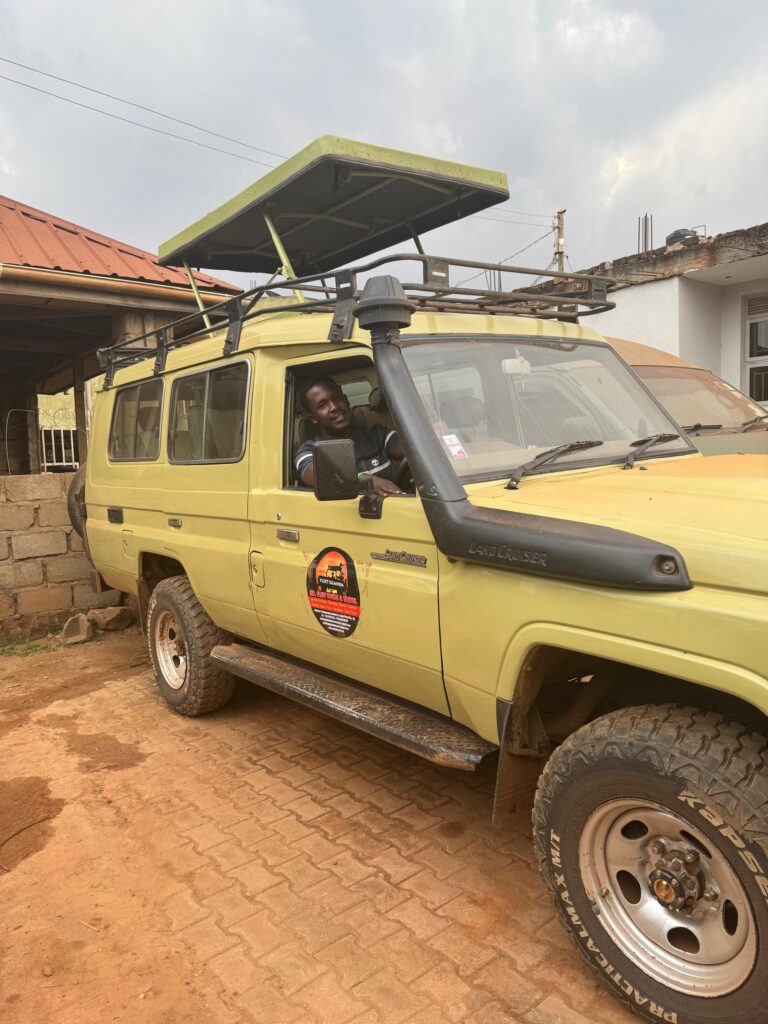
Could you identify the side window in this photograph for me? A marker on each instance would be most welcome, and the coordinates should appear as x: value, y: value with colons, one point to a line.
x: 208, y: 413
x: 135, y: 431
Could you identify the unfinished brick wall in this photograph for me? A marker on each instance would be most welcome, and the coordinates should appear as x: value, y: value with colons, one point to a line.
x: 44, y: 574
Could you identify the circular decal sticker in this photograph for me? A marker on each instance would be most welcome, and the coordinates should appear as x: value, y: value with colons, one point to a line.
x: 334, y: 596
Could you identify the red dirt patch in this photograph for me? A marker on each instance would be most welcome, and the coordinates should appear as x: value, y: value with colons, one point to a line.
x: 26, y: 811
x: 98, y: 751
x: 63, y: 674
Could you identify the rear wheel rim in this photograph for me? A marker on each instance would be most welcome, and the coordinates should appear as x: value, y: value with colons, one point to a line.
x: 171, y: 650
x: 629, y: 856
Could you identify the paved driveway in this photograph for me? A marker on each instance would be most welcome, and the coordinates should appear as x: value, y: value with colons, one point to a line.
x: 261, y: 864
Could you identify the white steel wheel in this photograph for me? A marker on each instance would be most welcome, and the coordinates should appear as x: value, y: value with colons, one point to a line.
x: 171, y: 650
x: 181, y: 636
x: 668, y: 897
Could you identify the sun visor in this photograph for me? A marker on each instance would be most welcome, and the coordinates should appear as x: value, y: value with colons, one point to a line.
x: 335, y: 202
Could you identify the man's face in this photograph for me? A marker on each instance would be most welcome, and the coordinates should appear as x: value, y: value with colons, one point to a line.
x: 329, y: 409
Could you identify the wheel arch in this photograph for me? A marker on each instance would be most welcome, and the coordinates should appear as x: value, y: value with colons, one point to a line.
x: 154, y: 567
x: 555, y: 679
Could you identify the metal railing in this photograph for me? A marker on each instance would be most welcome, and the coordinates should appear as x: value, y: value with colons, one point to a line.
x: 58, y: 448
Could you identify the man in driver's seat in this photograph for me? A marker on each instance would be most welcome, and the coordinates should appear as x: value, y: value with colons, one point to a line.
x: 330, y: 412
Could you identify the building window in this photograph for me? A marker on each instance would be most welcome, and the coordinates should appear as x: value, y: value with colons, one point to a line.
x: 135, y: 432
x: 757, y: 349
x: 208, y: 416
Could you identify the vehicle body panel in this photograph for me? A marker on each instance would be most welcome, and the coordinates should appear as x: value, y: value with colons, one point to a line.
x: 692, y: 395
x: 471, y: 625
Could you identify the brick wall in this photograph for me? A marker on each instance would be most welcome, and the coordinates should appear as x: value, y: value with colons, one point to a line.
x: 44, y: 574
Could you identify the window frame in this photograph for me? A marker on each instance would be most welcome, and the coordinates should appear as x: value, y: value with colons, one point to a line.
x: 753, y: 362
x: 122, y: 390
x: 294, y: 370
x: 226, y: 364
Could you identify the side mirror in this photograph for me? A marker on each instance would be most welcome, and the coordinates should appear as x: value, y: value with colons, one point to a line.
x: 335, y: 470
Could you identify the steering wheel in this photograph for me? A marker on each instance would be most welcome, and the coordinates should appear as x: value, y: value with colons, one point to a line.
x: 404, y: 478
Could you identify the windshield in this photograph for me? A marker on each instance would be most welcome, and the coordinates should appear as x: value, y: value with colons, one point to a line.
x: 697, y: 396
x: 497, y: 403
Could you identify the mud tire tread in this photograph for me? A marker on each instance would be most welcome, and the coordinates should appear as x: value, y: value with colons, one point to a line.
x: 208, y: 688
x: 722, y: 759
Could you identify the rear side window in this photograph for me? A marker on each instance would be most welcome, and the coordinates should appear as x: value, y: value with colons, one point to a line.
x: 135, y: 432
x: 208, y: 415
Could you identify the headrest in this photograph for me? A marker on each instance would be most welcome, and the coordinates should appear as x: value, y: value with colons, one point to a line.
x: 377, y: 402
x: 462, y: 411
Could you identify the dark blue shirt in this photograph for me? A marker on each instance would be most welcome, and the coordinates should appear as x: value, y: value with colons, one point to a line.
x: 373, y: 446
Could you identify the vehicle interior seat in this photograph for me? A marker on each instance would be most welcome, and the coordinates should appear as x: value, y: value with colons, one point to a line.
x: 462, y: 414
x: 225, y: 419
x: 147, y: 433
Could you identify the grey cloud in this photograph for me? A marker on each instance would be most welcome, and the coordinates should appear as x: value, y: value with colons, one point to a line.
x: 605, y: 107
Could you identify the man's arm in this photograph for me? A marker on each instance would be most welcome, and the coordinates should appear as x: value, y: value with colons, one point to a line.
x: 393, y: 446
x: 304, y: 461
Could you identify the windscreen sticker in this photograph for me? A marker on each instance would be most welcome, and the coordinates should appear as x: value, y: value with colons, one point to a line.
x: 454, y: 446
x: 334, y: 595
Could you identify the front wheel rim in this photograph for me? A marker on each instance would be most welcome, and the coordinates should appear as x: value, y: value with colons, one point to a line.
x: 668, y: 898
x: 171, y: 650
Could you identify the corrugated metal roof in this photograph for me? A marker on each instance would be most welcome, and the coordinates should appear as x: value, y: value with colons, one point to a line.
x: 32, y: 238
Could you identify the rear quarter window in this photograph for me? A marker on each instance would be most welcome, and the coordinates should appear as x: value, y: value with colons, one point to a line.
x: 134, y: 434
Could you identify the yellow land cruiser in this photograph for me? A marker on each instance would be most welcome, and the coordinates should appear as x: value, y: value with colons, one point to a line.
x: 560, y: 578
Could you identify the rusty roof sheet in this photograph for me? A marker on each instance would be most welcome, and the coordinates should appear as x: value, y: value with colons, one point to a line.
x: 32, y: 238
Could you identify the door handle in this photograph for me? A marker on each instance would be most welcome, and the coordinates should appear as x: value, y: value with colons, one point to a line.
x: 175, y: 523
x: 292, y: 535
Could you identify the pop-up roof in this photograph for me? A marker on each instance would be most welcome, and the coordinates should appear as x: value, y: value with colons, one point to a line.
x: 334, y: 202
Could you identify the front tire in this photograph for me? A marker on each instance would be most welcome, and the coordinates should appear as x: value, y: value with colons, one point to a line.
x: 651, y: 831
x: 181, y: 637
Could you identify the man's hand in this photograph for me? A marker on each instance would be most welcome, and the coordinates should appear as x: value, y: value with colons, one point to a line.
x: 384, y: 487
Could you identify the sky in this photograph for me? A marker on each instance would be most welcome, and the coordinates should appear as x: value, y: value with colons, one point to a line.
x: 605, y: 108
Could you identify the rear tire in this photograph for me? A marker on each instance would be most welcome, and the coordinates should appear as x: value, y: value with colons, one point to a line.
x: 181, y: 637
x: 651, y: 831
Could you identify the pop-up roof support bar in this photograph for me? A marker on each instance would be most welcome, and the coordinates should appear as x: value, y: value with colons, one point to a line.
x: 286, y: 269
x: 198, y: 296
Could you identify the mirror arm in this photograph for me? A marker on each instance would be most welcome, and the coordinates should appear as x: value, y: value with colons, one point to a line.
x: 371, y: 503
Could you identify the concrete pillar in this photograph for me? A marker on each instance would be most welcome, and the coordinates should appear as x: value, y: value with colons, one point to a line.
x: 132, y: 323
x: 81, y: 424
x: 19, y: 434
x: 33, y: 430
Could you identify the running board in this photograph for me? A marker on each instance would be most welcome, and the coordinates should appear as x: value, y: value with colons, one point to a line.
x: 412, y: 728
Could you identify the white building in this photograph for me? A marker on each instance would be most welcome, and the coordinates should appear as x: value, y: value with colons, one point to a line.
x: 704, y: 299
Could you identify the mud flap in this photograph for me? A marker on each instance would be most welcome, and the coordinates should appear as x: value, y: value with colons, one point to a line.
x: 516, y: 779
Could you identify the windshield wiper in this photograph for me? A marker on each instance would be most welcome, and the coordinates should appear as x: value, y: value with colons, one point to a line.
x: 548, y: 456
x: 753, y: 422
x: 643, y: 444
x: 702, y: 426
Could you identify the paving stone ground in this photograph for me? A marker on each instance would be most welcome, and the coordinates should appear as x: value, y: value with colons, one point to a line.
x: 263, y: 864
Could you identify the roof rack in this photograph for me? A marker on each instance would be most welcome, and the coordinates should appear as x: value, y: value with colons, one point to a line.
x: 565, y: 296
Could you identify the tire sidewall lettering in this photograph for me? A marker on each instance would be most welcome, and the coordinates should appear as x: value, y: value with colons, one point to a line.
x: 711, y: 815
x: 593, y: 949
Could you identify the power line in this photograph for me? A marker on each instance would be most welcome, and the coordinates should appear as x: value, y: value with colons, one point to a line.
x: 138, y: 124
x: 549, y: 266
x: 520, y: 213
x: 507, y: 258
x: 149, y: 110
x: 499, y: 220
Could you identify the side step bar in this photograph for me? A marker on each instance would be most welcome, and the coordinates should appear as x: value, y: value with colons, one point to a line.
x: 412, y: 728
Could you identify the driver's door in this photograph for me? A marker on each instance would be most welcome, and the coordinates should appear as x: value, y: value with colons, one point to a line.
x: 357, y: 596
